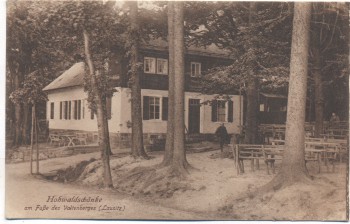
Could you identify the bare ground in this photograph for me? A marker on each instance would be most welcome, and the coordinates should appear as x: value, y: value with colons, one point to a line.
x: 214, y: 188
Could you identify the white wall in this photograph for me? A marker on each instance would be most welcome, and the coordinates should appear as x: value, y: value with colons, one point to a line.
x: 85, y: 123
x: 159, y: 126
x: 121, y: 112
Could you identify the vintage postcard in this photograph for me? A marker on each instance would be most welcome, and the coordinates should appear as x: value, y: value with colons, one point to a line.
x: 177, y: 110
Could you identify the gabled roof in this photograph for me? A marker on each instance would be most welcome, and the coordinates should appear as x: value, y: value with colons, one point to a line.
x: 270, y: 95
x: 209, y: 50
x: 72, y: 77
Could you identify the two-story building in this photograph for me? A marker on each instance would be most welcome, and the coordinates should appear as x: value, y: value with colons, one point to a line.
x: 67, y: 106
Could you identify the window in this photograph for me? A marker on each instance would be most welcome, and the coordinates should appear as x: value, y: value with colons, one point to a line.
x: 156, y: 65
x: 195, y: 69
x: 222, y: 111
x: 65, y: 110
x: 77, y: 109
x: 262, y: 107
x: 162, y: 66
x: 149, y: 65
x: 155, y: 108
x: 52, y: 110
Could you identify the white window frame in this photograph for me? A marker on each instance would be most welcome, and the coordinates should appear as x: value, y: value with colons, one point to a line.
x: 160, y: 108
x: 195, y: 73
x: 166, y: 66
x: 153, y: 67
x: 226, y: 111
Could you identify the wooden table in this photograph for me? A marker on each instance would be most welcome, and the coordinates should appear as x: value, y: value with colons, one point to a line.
x: 70, y: 138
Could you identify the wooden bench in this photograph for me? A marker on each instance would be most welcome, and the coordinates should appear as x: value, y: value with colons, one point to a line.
x: 81, y: 138
x: 334, y: 149
x: 269, y: 154
x: 242, y: 152
x: 55, y: 138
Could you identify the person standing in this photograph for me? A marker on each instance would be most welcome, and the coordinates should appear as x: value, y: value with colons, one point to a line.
x: 334, y: 121
x: 222, y: 134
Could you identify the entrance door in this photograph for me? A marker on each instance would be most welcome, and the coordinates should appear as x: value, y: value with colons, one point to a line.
x: 193, y: 116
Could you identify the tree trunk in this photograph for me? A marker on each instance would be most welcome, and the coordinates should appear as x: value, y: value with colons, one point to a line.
x: 36, y: 139
x: 18, y: 114
x: 319, y: 100
x: 102, y: 122
x: 179, y: 156
x: 293, y: 168
x: 251, y: 130
x: 25, y: 123
x: 137, y: 147
x: 293, y: 163
x: 252, y: 107
x: 169, y: 145
x: 32, y: 140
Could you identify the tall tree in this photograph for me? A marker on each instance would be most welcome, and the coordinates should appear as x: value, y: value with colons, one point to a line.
x: 251, y: 124
x: 293, y: 164
x: 175, y: 153
x: 31, y: 46
x: 31, y: 93
x: 137, y: 147
x: 98, y: 24
x: 179, y: 156
x: 328, y: 42
x: 102, y: 122
x: 169, y: 145
x: 20, y: 45
x: 257, y: 37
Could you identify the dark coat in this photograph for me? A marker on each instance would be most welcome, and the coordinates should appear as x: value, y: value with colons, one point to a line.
x: 221, y: 133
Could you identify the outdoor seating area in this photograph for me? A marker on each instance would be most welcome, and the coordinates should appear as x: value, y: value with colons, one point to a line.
x: 271, y: 132
x: 328, y: 149
x: 69, y: 139
x: 318, y: 153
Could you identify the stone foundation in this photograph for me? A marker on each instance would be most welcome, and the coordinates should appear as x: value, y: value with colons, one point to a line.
x: 152, y: 141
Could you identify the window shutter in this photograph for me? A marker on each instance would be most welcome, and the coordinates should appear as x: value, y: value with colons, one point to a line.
x: 52, y: 111
x: 75, y: 114
x: 65, y: 110
x: 145, y: 108
x: 230, y: 111
x: 61, y: 110
x: 92, y: 114
x: 109, y: 107
x: 214, y: 111
x: 79, y: 109
x: 165, y: 108
x: 69, y: 109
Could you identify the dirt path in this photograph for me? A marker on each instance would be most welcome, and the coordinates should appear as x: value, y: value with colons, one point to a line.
x: 213, y: 189
x: 24, y: 191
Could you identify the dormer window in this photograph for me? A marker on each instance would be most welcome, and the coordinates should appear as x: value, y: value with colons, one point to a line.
x: 195, y: 69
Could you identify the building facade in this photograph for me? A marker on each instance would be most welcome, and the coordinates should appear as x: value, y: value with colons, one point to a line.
x: 68, y: 110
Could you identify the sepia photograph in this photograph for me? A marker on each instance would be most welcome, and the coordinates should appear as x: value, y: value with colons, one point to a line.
x: 177, y: 110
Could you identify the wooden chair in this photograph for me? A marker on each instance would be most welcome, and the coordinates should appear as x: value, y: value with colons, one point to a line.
x: 81, y: 138
x: 251, y: 152
x: 54, y: 138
